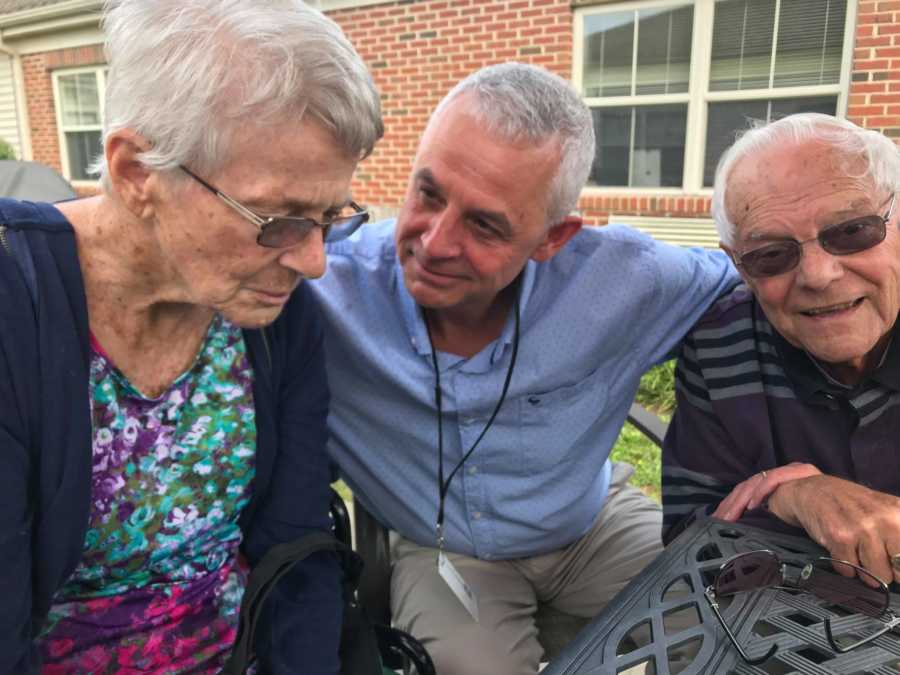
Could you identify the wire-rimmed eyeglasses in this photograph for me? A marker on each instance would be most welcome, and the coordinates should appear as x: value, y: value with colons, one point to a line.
x: 286, y: 231
x: 852, y: 236
x: 836, y: 581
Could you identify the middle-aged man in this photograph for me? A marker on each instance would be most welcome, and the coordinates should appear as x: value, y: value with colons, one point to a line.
x: 788, y: 388
x: 486, y: 342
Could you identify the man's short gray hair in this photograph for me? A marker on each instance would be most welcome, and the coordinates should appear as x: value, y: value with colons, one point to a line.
x: 880, y: 156
x: 185, y: 74
x: 524, y: 102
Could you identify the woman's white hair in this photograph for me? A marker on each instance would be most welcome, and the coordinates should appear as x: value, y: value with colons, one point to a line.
x: 185, y: 74
x: 880, y: 156
x: 524, y: 102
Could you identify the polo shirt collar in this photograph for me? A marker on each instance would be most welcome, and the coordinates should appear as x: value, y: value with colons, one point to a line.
x: 809, y: 379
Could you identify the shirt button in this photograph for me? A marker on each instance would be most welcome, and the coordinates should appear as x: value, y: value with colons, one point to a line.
x: 473, y: 470
x: 476, y: 515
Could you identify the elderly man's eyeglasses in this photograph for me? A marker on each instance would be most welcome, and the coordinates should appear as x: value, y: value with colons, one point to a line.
x: 835, y: 581
x: 285, y: 231
x: 844, y: 238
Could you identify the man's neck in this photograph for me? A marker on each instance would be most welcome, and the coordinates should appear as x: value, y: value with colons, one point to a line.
x: 465, y: 331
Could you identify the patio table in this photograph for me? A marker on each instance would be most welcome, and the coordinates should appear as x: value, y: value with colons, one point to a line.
x: 664, y: 611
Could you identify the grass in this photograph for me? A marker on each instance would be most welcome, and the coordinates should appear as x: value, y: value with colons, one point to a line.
x: 656, y: 393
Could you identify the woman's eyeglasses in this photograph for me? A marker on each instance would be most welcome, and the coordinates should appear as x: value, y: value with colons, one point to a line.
x: 835, y: 581
x: 286, y: 231
x: 845, y: 238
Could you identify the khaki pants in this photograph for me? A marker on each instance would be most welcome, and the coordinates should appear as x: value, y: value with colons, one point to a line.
x: 579, y: 579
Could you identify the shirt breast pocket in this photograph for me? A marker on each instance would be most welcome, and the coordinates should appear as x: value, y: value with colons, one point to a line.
x: 557, y: 422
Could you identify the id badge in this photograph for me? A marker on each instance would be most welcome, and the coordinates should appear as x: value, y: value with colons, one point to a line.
x: 458, y: 585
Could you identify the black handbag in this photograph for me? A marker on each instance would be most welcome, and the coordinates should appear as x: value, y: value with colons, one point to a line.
x: 359, y: 650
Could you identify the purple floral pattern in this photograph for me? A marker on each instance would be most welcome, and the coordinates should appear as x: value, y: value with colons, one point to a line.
x: 158, y: 587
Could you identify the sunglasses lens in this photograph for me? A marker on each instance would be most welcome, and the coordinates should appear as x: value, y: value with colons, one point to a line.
x: 771, y: 259
x: 847, y: 586
x: 749, y: 572
x: 853, y: 236
x: 284, y: 232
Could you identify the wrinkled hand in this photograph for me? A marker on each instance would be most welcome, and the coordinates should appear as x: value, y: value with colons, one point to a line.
x: 853, y: 522
x: 756, y: 489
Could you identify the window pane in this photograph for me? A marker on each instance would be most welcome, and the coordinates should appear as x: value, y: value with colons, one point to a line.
x: 608, y: 47
x: 726, y: 119
x: 79, y: 101
x: 83, y: 148
x: 656, y: 157
x: 664, y: 50
x: 810, y: 42
x: 742, y: 44
x: 612, y: 126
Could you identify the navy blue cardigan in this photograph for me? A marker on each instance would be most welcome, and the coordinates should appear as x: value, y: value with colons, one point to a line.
x: 45, y: 454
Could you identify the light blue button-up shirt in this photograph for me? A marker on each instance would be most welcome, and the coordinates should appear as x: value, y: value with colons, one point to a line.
x: 609, y: 305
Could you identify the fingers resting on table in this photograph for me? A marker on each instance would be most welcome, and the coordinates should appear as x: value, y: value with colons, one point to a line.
x: 754, y: 491
x: 853, y: 522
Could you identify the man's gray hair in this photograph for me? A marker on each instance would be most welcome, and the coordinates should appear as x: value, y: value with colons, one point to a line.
x: 880, y: 156
x: 518, y: 101
x: 186, y: 74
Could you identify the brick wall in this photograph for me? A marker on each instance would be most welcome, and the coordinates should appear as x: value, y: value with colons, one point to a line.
x: 38, y: 69
x: 418, y: 50
x: 875, y: 88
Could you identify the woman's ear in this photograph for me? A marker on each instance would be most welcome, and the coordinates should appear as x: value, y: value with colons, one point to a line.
x: 556, y: 238
x: 129, y: 179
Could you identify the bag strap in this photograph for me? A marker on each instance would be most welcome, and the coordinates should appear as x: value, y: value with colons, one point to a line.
x: 265, y: 576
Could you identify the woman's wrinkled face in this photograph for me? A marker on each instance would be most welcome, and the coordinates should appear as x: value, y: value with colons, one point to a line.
x: 281, y: 169
x: 840, y: 309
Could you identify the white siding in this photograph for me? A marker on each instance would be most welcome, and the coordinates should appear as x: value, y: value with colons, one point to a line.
x: 9, y: 120
x: 681, y: 231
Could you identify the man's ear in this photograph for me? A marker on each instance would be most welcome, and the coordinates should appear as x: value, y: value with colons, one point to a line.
x: 556, y: 238
x: 731, y: 254
x: 129, y: 178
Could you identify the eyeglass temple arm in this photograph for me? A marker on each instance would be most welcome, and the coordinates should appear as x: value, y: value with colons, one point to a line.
x: 892, y: 623
x: 710, y: 596
x: 240, y: 208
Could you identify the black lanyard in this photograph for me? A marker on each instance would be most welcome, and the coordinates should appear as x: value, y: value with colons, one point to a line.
x: 444, y: 486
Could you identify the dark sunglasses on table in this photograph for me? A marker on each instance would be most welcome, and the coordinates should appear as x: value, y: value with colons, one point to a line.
x: 852, y: 236
x: 286, y: 231
x: 835, y: 581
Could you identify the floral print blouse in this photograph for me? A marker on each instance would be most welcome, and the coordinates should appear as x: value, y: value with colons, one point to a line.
x: 159, y: 584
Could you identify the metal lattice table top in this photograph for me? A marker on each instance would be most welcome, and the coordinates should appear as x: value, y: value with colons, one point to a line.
x: 661, y: 622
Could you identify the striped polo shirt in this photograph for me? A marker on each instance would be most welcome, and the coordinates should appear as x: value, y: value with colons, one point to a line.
x: 748, y: 401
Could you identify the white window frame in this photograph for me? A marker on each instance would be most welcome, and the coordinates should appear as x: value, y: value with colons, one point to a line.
x: 100, y: 71
x: 698, y: 96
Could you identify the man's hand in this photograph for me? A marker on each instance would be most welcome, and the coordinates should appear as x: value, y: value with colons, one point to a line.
x: 855, y: 523
x: 756, y: 489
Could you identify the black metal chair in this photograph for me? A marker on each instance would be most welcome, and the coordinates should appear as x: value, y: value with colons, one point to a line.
x: 555, y: 628
x: 399, y: 650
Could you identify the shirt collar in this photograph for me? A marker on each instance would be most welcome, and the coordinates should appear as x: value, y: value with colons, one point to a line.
x: 809, y: 378
x: 415, y: 322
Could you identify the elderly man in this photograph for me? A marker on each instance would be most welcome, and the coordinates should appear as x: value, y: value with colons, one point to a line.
x: 788, y: 387
x: 483, y: 352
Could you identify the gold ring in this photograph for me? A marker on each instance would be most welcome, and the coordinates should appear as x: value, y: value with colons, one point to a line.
x: 764, y: 473
x: 895, y: 561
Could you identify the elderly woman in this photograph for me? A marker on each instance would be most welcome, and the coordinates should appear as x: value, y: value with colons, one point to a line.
x: 788, y: 388
x: 162, y: 393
